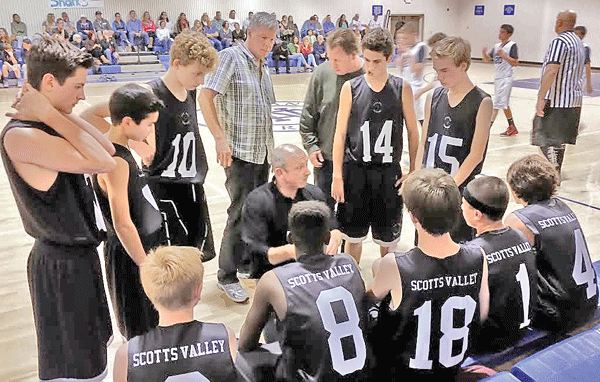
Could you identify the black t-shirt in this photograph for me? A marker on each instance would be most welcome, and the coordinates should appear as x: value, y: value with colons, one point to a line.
x: 567, y: 283
x: 513, y: 288
x: 375, y: 123
x: 191, y: 351
x: 180, y: 156
x: 451, y: 130
x: 67, y: 214
x: 428, y: 335
x: 322, y: 333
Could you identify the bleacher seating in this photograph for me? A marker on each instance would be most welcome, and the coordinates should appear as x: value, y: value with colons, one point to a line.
x: 271, y: 63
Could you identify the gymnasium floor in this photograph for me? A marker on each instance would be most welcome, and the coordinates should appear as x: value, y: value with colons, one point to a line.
x: 581, y: 184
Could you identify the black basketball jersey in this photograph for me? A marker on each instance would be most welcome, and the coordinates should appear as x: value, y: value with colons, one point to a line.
x: 374, y: 132
x: 180, y: 155
x: 567, y: 283
x: 429, y: 333
x: 513, y: 287
x: 67, y: 213
x: 450, y: 131
x: 322, y: 333
x: 143, y: 208
x: 191, y: 351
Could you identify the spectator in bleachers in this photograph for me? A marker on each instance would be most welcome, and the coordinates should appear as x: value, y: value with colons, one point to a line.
x: 163, y: 36
x: 168, y: 24
x: 307, y: 51
x: 318, y: 26
x: 311, y: 24
x: 69, y: 26
x: 60, y: 31
x: 135, y: 32
x: 218, y: 20
x: 198, y: 27
x: 226, y: 35
x: 18, y: 29
x: 120, y: 29
x: 356, y: 23
x: 296, y: 54
x: 280, y: 52
x: 109, y: 46
x: 246, y: 22
x: 22, y: 56
x: 287, y: 29
x: 375, y: 23
x: 148, y: 25
x: 328, y: 25
x: 77, y: 41
x: 320, y: 50
x: 100, y: 24
x: 181, y: 24
x: 238, y: 34
x: 312, y: 37
x: 10, y: 63
x: 93, y: 47
x: 85, y: 28
x: 48, y: 24
x: 4, y: 37
x: 342, y: 22
x: 212, y: 33
x: 232, y: 19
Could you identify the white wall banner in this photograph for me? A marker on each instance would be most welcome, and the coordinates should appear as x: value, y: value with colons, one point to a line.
x: 77, y: 3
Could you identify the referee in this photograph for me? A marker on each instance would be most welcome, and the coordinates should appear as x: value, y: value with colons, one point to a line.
x: 558, y: 106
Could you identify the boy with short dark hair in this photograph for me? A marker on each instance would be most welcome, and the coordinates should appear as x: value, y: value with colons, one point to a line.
x: 511, y: 262
x: 567, y: 283
x: 433, y: 294
x: 367, y: 148
x: 581, y: 31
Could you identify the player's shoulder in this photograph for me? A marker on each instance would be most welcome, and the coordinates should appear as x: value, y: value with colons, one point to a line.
x: 312, y: 192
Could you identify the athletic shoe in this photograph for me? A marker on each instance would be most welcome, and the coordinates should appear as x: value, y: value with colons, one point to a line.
x: 234, y: 292
x: 510, y: 131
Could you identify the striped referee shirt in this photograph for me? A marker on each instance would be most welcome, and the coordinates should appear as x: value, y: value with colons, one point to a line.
x: 566, y: 50
x: 244, y: 97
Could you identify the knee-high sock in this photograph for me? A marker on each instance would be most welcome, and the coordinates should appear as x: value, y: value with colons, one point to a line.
x: 555, y: 155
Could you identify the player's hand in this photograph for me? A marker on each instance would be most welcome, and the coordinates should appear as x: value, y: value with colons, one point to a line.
x: 337, y: 189
x: 223, y: 152
x: 502, y: 53
x: 334, y: 242
x: 484, y: 50
x: 316, y: 158
x: 589, y: 89
x: 539, y: 107
x: 31, y: 105
x: 400, y: 182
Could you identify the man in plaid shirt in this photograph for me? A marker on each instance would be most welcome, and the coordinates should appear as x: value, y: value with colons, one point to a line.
x: 236, y: 104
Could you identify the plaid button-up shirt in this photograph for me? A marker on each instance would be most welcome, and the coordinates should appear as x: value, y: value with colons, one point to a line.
x: 243, y: 102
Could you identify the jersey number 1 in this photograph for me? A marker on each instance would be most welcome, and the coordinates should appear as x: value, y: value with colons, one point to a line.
x: 383, y: 144
x: 188, y: 146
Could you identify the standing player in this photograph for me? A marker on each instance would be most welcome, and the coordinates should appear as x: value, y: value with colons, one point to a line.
x: 319, y: 301
x: 130, y: 211
x: 317, y: 122
x: 506, y: 57
x: 567, y: 283
x: 457, y: 121
x: 511, y: 262
x: 433, y: 294
x: 581, y: 31
x: 46, y: 150
x: 367, y: 148
x: 411, y: 62
x: 180, y: 348
x: 174, y: 155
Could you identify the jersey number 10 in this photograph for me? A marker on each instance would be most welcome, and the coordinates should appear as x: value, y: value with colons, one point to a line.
x: 180, y: 165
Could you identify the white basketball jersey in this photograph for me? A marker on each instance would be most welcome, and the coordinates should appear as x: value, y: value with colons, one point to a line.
x: 503, y: 68
x: 417, y: 53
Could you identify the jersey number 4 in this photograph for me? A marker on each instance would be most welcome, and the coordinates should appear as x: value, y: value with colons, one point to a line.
x: 583, y: 272
x: 339, y: 331
x: 383, y: 144
x: 184, y: 166
x: 445, y: 141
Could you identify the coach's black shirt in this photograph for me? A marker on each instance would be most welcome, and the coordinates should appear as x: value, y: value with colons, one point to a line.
x: 265, y: 221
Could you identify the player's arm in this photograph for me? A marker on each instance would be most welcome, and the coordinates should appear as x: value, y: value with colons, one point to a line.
x: 480, y: 141
x: 485, y: 56
x: 548, y: 78
x: 412, y: 126
x: 121, y: 362
x: 233, y: 342
x: 513, y: 221
x: 96, y: 114
x: 309, y: 119
x: 512, y: 58
x: 387, y: 280
x: 484, y: 291
x: 209, y: 111
x: 118, y: 197
x: 423, y: 140
x: 269, y: 296
x: 588, y: 78
x: 339, y: 142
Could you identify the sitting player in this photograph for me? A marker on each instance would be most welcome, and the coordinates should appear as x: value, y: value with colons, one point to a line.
x: 319, y: 302
x: 367, y: 147
x: 433, y: 294
x: 457, y: 121
x: 133, y: 220
x: 567, y: 284
x: 511, y: 265
x: 180, y: 348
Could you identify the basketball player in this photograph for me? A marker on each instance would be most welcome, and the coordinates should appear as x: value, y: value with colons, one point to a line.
x: 319, y: 302
x: 411, y: 62
x: 180, y: 348
x: 567, y: 283
x: 511, y: 261
x: 457, y: 121
x: 433, y: 294
x: 174, y: 155
x: 506, y: 57
x: 46, y: 151
x: 581, y: 31
x: 129, y: 209
x: 367, y: 148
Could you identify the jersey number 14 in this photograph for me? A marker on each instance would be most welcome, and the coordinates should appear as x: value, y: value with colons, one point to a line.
x: 383, y: 144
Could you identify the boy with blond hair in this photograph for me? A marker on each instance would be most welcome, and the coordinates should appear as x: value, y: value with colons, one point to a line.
x: 180, y: 347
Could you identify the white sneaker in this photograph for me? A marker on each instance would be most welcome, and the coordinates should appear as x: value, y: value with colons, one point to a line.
x: 234, y: 292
